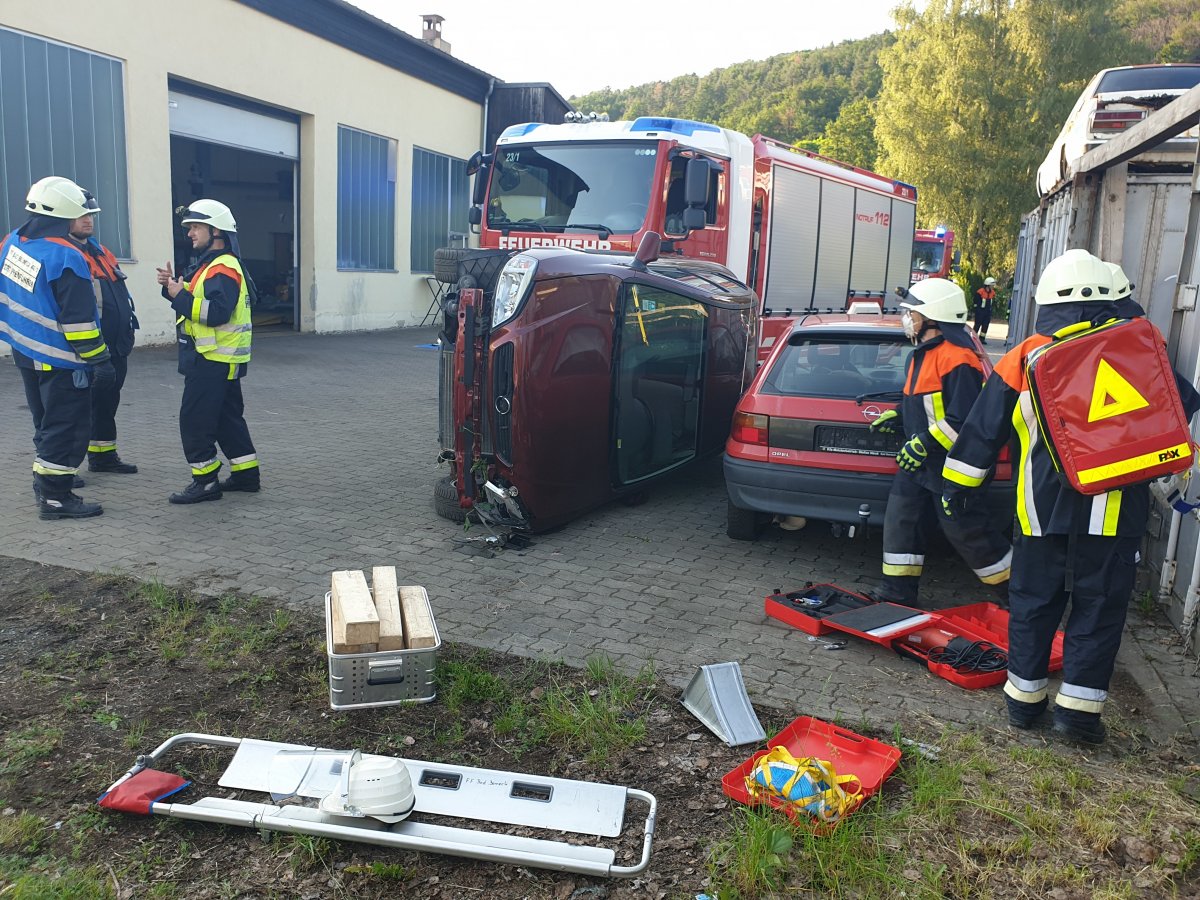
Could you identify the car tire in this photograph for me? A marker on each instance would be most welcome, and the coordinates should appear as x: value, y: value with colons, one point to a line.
x: 743, y: 524
x: 445, y: 501
x: 450, y: 264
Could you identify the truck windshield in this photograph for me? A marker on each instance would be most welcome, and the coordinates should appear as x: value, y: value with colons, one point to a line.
x: 553, y: 186
x: 927, y: 256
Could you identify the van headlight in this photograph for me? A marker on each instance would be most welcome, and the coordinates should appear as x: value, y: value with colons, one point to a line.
x: 516, y: 279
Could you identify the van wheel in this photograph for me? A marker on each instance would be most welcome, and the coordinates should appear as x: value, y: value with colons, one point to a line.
x: 445, y: 501
x: 743, y: 524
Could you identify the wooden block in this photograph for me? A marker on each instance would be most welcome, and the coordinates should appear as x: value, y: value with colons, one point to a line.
x: 387, y: 604
x: 418, y: 617
x: 355, y: 621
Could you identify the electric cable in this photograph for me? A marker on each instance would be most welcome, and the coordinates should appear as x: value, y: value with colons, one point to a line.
x: 970, y: 656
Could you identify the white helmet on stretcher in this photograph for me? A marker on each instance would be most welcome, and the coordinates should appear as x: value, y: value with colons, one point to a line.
x: 375, y: 786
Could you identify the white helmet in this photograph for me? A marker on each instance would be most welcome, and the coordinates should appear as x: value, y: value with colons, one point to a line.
x: 938, y: 299
x: 1074, y: 277
x: 989, y: 281
x: 1120, y: 282
x: 210, y: 212
x: 375, y: 786
x: 60, y: 198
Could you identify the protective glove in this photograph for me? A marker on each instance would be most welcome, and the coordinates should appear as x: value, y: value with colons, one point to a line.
x: 954, y: 503
x: 912, y: 455
x: 103, y: 375
x: 887, y: 422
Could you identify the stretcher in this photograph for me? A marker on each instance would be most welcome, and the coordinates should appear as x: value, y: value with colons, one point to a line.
x: 295, y: 779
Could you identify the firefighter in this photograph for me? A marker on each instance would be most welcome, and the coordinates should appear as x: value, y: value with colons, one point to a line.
x: 213, y: 305
x: 944, y: 378
x: 985, y: 297
x: 117, y: 325
x: 50, y: 318
x: 1069, y: 546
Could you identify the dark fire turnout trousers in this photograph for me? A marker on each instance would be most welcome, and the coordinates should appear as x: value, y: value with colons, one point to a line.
x: 104, y: 410
x: 61, y: 413
x: 1104, y: 569
x: 212, y: 413
x: 913, y: 512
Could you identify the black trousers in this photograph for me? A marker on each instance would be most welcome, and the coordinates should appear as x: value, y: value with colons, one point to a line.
x: 983, y: 318
x: 104, y: 410
x: 913, y: 512
x: 212, y: 413
x: 61, y: 411
x: 1103, y: 574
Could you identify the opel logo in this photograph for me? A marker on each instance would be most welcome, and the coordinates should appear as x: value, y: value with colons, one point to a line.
x: 871, y: 413
x: 504, y: 406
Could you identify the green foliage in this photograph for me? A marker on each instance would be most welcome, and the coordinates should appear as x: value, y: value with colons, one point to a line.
x: 851, y: 136
x: 1168, y: 29
x: 792, y: 97
x: 974, y: 93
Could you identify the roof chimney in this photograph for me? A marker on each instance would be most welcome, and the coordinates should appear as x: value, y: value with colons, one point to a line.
x: 431, y: 31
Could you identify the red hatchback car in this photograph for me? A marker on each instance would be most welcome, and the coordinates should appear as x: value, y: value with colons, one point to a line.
x: 801, y: 444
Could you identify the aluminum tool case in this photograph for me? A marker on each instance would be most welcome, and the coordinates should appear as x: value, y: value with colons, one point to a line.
x: 382, y: 678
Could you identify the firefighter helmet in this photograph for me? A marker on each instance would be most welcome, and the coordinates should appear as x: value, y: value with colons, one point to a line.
x: 989, y: 281
x: 375, y: 786
x: 1074, y: 277
x: 1120, y: 282
x: 937, y: 299
x: 212, y: 213
x: 58, y: 197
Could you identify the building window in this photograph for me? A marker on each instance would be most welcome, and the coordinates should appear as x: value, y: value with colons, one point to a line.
x: 62, y: 112
x: 366, y: 221
x: 440, y: 197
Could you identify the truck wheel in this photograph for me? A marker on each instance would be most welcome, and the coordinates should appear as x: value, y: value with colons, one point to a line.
x: 445, y: 501
x: 452, y: 263
x: 743, y: 524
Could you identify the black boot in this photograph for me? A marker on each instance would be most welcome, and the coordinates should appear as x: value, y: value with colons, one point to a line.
x: 77, y: 482
x: 1025, y: 716
x: 69, y: 507
x: 1079, y: 726
x: 239, y: 482
x: 110, y: 462
x: 198, y: 492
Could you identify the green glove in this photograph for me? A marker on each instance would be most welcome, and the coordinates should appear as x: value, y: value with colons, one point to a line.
x: 886, y: 423
x: 912, y: 455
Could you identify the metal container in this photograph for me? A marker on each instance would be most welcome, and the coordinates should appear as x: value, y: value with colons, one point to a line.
x: 382, y: 678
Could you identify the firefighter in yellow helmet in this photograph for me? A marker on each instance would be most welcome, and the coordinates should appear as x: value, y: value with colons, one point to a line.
x: 944, y: 377
x: 1069, y: 546
x: 212, y: 302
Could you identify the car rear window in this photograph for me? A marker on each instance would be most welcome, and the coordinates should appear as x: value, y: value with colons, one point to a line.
x: 1154, y: 78
x: 838, y: 366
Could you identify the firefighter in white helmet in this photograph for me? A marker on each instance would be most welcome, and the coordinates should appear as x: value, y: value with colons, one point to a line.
x: 1069, y: 546
x: 985, y: 299
x: 51, y: 320
x: 943, y: 379
x: 213, y: 305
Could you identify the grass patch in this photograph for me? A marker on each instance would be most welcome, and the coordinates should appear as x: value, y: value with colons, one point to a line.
x: 22, y: 833
x: 27, y: 745
x: 460, y: 683
x: 606, y: 714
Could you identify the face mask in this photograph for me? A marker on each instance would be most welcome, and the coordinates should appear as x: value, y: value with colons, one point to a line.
x: 910, y: 327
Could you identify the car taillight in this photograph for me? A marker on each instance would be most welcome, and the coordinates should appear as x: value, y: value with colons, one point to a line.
x: 1116, y: 120
x: 749, y: 428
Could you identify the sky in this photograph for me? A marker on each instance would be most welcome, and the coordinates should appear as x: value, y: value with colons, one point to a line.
x: 580, y: 48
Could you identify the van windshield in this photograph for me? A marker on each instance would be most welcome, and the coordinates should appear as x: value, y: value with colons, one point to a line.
x: 552, y: 187
x: 1150, y: 78
x: 839, y: 366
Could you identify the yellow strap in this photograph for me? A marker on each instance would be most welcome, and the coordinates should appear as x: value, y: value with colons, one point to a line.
x: 833, y: 803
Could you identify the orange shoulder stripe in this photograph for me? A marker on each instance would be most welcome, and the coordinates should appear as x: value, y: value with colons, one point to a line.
x: 222, y: 269
x: 937, y: 365
x: 1011, y: 367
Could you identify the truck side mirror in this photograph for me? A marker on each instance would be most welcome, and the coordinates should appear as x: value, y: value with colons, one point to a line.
x: 954, y: 260
x: 475, y: 215
x: 696, y: 183
x: 479, y: 189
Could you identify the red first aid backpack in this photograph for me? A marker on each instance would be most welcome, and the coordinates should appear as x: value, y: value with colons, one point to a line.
x: 1107, y: 405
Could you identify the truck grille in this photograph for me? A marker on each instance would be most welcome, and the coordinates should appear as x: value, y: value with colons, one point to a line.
x: 502, y: 393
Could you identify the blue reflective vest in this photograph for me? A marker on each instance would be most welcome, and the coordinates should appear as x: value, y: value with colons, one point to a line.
x: 28, y: 310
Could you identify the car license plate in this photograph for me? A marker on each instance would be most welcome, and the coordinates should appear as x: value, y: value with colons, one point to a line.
x: 850, y: 439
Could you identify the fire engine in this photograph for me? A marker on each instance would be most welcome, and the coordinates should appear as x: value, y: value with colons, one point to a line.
x: 934, y: 255
x: 805, y: 232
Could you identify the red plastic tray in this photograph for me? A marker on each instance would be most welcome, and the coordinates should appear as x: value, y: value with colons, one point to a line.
x: 776, y: 606
x: 869, y: 760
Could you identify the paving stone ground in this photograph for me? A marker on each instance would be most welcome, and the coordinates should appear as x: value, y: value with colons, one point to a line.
x: 346, y: 427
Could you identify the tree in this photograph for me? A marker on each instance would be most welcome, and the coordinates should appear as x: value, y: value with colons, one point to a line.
x: 851, y: 136
x: 974, y: 92
x: 1169, y: 29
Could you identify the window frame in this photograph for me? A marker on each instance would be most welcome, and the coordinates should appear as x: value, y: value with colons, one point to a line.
x: 350, y: 219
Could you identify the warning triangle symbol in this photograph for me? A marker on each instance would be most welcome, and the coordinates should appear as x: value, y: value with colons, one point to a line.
x: 1112, y: 395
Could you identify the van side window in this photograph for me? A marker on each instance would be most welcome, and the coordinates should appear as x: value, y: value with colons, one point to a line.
x: 675, y: 206
x: 659, y: 380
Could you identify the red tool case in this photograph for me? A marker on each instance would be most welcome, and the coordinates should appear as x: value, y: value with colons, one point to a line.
x: 821, y: 609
